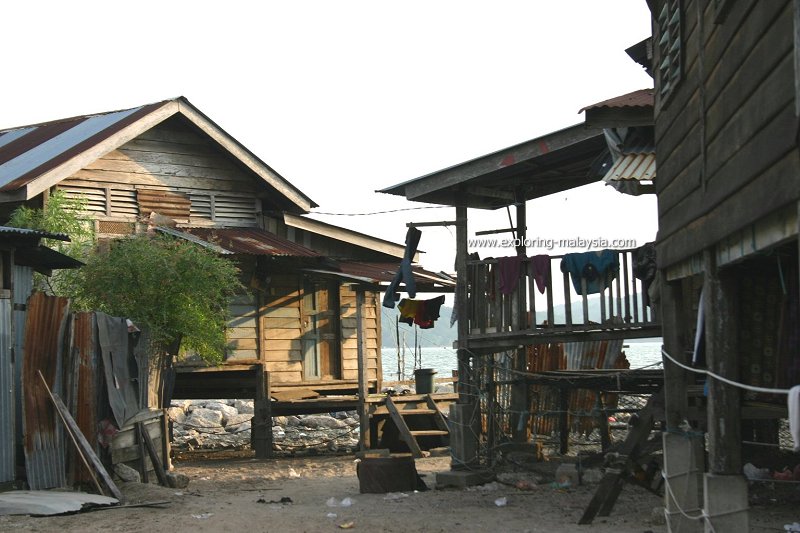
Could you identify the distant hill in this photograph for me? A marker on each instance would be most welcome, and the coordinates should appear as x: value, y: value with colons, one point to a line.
x: 441, y: 334
x: 444, y: 335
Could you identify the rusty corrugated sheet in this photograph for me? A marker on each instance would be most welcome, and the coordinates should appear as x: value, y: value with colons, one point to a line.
x: 44, y: 441
x: 33, y: 150
x: 22, y: 287
x: 251, y: 241
x: 82, y: 387
x: 640, y: 98
x: 7, y: 411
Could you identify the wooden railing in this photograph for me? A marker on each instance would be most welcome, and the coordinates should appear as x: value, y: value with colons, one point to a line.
x: 622, y: 304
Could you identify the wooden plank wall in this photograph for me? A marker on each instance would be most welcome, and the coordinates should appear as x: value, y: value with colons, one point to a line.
x: 125, y: 448
x: 169, y: 157
x: 242, y: 329
x: 282, y: 329
x: 349, y: 334
x: 725, y: 138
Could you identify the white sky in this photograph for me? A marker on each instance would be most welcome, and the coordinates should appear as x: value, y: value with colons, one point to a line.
x: 343, y: 98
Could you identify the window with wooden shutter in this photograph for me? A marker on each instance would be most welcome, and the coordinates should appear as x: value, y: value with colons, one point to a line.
x: 225, y: 209
x: 95, y: 198
x: 669, y: 47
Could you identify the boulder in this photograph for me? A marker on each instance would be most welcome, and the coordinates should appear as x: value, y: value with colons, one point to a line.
x: 321, y: 421
x: 292, y: 421
x: 226, y: 410
x: 127, y: 473
x: 238, y: 428
x: 177, y: 481
x: 235, y: 420
x: 244, y: 406
x: 176, y: 414
x: 206, y: 420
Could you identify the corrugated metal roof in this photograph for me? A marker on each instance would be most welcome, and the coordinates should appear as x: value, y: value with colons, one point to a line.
x: 640, y: 98
x: 251, y: 241
x: 62, y: 146
x: 640, y: 167
x: 8, y: 230
x: 384, y: 272
x: 27, y: 153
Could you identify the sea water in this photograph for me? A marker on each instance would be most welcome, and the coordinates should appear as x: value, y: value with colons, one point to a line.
x: 640, y: 353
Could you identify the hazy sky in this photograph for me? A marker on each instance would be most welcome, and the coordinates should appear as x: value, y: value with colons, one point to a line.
x: 343, y: 98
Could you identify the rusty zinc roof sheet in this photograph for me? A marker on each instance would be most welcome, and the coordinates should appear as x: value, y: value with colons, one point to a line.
x: 30, y: 151
x: 251, y: 241
x: 640, y: 98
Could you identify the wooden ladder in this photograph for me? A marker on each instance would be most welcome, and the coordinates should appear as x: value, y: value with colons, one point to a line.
x: 409, y: 436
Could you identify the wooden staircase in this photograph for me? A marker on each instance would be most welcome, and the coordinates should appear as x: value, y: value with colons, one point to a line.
x: 409, y: 436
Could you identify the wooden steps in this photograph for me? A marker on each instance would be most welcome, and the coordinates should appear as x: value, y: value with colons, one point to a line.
x: 409, y: 436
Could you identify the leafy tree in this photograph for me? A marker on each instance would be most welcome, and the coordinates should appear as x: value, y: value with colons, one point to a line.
x: 178, y: 290
x: 60, y: 214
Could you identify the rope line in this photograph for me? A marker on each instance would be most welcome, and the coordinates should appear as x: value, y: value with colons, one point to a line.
x: 716, y: 376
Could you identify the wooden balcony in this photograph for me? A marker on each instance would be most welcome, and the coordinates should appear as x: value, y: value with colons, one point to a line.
x: 500, y: 321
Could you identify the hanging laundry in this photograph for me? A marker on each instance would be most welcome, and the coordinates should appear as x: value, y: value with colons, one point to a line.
x: 644, y: 268
x: 509, y: 268
x: 404, y: 273
x: 423, y: 313
x: 597, y: 268
x: 539, y: 269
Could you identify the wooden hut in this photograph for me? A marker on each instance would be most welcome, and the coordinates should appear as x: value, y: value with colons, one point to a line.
x: 726, y: 122
x: 167, y: 167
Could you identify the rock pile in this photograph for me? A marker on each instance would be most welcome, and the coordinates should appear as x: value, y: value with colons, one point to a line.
x: 220, y: 424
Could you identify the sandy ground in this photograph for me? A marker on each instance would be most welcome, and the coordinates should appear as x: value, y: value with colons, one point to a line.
x: 233, y: 494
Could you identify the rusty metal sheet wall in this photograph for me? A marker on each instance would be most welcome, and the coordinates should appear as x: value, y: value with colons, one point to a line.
x: 7, y: 411
x: 81, y: 388
x: 43, y: 434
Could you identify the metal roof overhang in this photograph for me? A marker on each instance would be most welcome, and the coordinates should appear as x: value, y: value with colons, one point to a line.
x: 633, y: 174
x: 555, y: 162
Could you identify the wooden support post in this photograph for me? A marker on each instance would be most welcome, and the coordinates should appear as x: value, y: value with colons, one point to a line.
x: 563, y: 419
x: 363, y: 383
x: 602, y: 422
x: 725, y: 494
x: 261, y: 430
x: 463, y: 305
x: 722, y: 357
x: 675, y: 343
x: 464, y: 415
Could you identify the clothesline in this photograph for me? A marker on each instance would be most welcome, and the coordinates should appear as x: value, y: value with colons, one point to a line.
x: 744, y: 386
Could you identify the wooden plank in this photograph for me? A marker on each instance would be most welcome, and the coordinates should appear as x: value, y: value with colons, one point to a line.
x: 282, y: 334
x: 294, y: 394
x: 295, y: 354
x: 83, y: 446
x: 284, y: 366
x: 154, y: 459
x: 282, y: 312
x: 769, y: 192
x: 241, y: 333
x: 126, y: 437
x: 363, y: 384
x: 163, y: 154
x: 405, y: 433
x: 286, y: 377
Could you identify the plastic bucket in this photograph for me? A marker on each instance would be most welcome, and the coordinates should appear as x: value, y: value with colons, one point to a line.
x: 423, y: 379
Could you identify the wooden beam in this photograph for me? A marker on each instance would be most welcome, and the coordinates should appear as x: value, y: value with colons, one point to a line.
x: 675, y: 378
x: 722, y: 357
x: 363, y: 415
x: 151, y: 451
x: 261, y: 431
x: 83, y: 446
